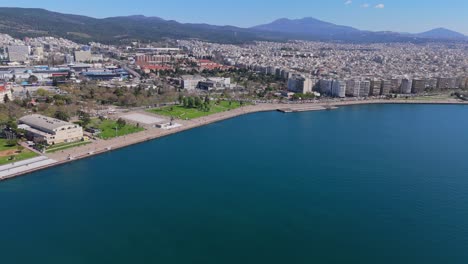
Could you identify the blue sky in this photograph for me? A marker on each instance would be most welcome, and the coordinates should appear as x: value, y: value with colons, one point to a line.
x: 395, y: 15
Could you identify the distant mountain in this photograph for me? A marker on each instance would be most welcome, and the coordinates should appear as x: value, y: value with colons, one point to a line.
x: 22, y: 22
x: 32, y: 22
x: 442, y: 33
x: 307, y: 26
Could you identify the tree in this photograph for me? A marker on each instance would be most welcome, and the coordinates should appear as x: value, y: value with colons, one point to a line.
x: 41, y: 92
x: 85, y: 118
x: 61, y: 115
x: 20, y: 149
x: 32, y: 79
x: 197, y: 102
x: 12, y: 142
x: 190, y: 102
x: 121, y: 123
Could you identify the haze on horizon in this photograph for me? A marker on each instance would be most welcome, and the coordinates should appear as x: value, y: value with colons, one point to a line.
x: 375, y: 15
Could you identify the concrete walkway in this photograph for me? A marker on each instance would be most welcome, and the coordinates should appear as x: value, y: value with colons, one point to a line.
x: 6, y: 171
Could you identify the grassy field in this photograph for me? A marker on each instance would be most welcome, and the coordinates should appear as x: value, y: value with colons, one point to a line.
x: 8, y: 151
x: 108, y: 129
x: 181, y: 112
x: 60, y: 147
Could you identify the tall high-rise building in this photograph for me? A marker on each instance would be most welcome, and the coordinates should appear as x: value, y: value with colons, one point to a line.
x: 326, y: 87
x: 375, y: 87
x: 446, y: 83
x: 386, y: 87
x: 353, y: 88
x: 396, y: 85
x: 364, y: 89
x: 300, y: 84
x: 419, y: 86
x: 406, y: 86
x: 338, y: 89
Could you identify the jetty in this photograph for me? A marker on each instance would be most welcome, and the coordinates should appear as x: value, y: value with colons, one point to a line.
x: 306, y: 109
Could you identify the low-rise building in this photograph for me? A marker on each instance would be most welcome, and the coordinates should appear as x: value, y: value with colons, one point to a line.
x: 83, y: 55
x: 190, y: 82
x: 50, y: 130
x: 214, y: 84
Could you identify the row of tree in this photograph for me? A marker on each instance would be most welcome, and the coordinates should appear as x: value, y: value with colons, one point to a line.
x: 203, y: 104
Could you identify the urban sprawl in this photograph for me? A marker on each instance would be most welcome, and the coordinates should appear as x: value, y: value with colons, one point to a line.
x: 56, y: 94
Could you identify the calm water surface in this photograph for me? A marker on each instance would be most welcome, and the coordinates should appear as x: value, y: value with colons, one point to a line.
x: 362, y: 184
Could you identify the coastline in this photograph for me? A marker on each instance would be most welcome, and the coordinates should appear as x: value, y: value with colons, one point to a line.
x: 101, y: 147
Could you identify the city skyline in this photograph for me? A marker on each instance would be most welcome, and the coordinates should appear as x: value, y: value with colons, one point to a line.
x: 376, y: 15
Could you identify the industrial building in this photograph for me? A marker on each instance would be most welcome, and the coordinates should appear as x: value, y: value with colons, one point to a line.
x: 50, y: 130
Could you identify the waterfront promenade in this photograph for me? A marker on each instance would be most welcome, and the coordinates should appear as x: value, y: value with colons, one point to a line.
x: 102, y: 146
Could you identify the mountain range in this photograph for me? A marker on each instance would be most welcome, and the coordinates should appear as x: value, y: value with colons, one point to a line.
x: 31, y: 22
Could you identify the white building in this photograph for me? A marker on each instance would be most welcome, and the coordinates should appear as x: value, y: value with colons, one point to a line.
x: 50, y: 130
x: 190, y: 82
x: 18, y: 53
x: 83, y: 56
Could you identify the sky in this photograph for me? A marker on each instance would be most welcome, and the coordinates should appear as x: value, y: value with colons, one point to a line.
x: 378, y: 15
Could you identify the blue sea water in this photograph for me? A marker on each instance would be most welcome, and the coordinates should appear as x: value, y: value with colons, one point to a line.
x: 360, y: 184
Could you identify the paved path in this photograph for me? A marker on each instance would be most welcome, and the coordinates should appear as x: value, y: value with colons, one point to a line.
x: 24, y: 166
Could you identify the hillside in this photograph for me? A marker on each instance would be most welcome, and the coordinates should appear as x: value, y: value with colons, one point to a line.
x: 31, y: 22
x: 21, y: 22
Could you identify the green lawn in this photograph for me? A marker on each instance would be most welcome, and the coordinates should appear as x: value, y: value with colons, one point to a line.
x: 5, y: 159
x: 108, y: 129
x: 60, y: 147
x: 181, y: 112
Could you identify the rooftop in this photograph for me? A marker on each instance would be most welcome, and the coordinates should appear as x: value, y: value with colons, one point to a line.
x: 43, y: 122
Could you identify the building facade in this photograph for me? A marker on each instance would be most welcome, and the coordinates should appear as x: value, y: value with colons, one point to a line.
x: 50, y: 130
x: 299, y: 84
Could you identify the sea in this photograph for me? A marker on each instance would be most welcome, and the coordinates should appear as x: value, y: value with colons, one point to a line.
x: 360, y: 184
